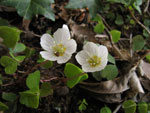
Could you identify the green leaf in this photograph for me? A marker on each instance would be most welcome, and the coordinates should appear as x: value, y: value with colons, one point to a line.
x: 99, y: 28
x: 33, y: 80
x: 115, y: 35
x: 142, y: 107
x: 17, y: 58
x: 119, y: 20
x: 9, y: 96
x: 93, y: 5
x: 83, y: 105
x: 10, y: 35
x: 129, y: 106
x: 46, y: 89
x: 137, y: 4
x: 3, y: 107
x: 109, y: 72
x: 20, y: 47
x: 30, y: 98
x: 105, y: 110
x: 111, y: 59
x: 29, y: 8
x: 47, y: 65
x: 72, y: 72
x: 138, y: 42
x: 9, y: 64
x: 148, y: 57
x: 97, y: 75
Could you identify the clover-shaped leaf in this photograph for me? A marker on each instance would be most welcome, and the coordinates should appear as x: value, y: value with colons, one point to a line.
x: 9, y: 64
x: 33, y: 80
x: 109, y: 72
x: 10, y: 35
x: 129, y: 106
x: 30, y: 98
x: 74, y: 75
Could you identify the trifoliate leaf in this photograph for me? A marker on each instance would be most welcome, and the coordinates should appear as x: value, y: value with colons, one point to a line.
x: 3, y: 107
x: 138, y: 42
x: 83, y: 105
x: 73, y: 72
x: 10, y: 35
x: 92, y: 5
x: 142, y: 107
x: 33, y: 80
x: 29, y: 8
x: 129, y: 106
x: 9, y: 64
x: 30, y: 98
x: 109, y: 72
x: 46, y: 89
x: 115, y: 35
x: 9, y: 96
x: 105, y: 110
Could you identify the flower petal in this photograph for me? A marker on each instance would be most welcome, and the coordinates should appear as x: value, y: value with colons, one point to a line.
x: 91, y: 48
x: 71, y: 46
x: 103, y: 51
x: 81, y: 57
x: 62, y: 34
x: 46, y: 41
x: 64, y: 58
x: 48, y: 55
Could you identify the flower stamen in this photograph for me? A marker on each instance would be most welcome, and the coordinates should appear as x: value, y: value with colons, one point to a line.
x: 59, y: 50
x: 94, y: 61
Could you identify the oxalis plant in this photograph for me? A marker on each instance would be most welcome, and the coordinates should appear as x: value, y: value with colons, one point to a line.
x: 92, y: 59
x: 58, y: 47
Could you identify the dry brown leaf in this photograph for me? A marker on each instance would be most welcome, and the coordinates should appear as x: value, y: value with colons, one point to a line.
x: 83, y: 33
x: 146, y: 68
x: 145, y: 83
x: 135, y: 83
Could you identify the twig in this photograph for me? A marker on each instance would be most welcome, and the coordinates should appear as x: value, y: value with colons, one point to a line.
x: 142, y: 25
x: 117, y: 108
x: 36, y: 35
x: 131, y: 51
x: 147, y: 5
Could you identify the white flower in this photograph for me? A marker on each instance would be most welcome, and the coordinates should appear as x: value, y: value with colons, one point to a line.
x: 60, y: 48
x: 93, y: 57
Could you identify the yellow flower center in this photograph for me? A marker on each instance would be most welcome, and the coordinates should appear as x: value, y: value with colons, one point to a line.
x: 59, y: 50
x: 94, y: 61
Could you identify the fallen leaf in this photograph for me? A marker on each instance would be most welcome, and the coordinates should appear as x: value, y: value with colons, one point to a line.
x: 146, y: 68
x: 135, y: 83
